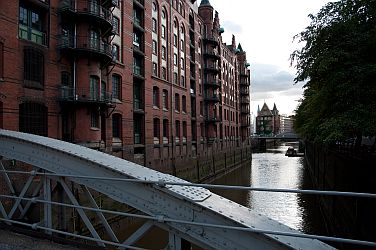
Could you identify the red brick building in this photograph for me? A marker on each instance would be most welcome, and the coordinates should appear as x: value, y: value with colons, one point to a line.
x: 149, y: 81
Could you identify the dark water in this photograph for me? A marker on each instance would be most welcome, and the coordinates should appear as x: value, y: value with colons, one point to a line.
x: 273, y: 169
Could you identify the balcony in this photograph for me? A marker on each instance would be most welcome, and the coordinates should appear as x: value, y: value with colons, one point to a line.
x: 214, y: 84
x: 244, y: 82
x: 245, y: 111
x: 86, y: 10
x: 193, y: 93
x: 245, y: 100
x: 84, y: 45
x: 84, y: 95
x: 212, y: 119
x: 41, y: 3
x: 243, y: 73
x: 211, y: 54
x: 210, y: 39
x: 211, y: 68
x: 212, y: 98
x: 244, y: 91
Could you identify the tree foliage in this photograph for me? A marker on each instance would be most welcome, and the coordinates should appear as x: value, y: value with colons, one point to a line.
x: 338, y: 66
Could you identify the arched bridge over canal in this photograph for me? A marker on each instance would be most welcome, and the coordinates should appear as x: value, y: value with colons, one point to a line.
x: 187, y: 213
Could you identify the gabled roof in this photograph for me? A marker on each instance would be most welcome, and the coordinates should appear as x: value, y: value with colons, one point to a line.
x: 265, y: 111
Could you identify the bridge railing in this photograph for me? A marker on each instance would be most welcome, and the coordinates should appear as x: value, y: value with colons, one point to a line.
x: 153, y: 220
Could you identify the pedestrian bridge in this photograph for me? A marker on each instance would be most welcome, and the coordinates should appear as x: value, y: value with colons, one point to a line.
x: 188, y: 213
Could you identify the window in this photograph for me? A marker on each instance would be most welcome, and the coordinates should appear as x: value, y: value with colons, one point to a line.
x: 94, y: 119
x: 154, y: 6
x: 116, y: 25
x: 184, y: 131
x: 176, y: 78
x: 175, y: 59
x: 137, y: 128
x: 164, y: 73
x: 163, y: 52
x: 182, y: 62
x: 165, y: 99
x: 156, y: 128
x: 116, y: 87
x: 115, y: 52
x: 155, y: 69
x: 116, y: 126
x: 94, y: 88
x: 175, y: 40
x: 177, y: 102
x: 33, y: 68
x: 184, y: 103
x: 33, y: 118
x: 154, y: 47
x: 156, y: 96
x: 163, y: 14
x: 182, y: 81
x: 103, y: 91
x: 137, y: 96
x: 136, y: 40
x: 165, y: 131
x: 163, y: 35
x: 154, y: 25
x: 201, y: 108
x: 31, y: 26
x: 177, y: 130
x: 1, y: 60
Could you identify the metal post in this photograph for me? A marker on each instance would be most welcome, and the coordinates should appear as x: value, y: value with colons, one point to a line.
x: 47, y: 205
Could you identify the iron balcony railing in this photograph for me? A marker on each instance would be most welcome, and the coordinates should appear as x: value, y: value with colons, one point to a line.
x: 137, y: 70
x: 212, y: 97
x: 210, y: 39
x: 211, y: 67
x: 213, y: 54
x: 212, y: 118
x: 86, y: 44
x: 89, y: 9
x: 138, y: 104
x: 71, y: 94
x: 213, y: 83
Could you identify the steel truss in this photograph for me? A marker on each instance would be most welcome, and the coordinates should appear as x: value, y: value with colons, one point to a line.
x: 185, y: 212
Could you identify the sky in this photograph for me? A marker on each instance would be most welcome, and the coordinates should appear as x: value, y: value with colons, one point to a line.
x: 265, y: 29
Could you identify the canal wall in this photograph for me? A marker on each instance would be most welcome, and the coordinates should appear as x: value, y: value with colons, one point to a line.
x: 343, y: 169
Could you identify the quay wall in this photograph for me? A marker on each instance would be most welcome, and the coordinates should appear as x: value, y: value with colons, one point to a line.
x: 343, y: 169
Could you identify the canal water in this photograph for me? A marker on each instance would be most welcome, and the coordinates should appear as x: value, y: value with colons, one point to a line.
x: 272, y: 169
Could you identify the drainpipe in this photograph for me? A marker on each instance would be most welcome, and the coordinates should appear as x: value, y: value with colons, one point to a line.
x: 172, y: 96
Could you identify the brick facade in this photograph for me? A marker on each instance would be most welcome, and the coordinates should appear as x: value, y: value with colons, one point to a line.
x: 98, y: 73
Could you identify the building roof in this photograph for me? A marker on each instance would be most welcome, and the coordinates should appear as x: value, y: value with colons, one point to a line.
x: 265, y: 111
x: 205, y: 3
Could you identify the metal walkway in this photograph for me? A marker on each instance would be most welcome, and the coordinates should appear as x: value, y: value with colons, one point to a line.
x: 185, y: 212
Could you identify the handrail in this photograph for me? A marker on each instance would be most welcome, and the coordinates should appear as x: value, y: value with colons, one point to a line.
x: 163, y: 183
x: 161, y: 219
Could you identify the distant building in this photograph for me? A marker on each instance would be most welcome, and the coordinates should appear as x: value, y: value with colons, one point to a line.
x: 287, y: 124
x: 267, y: 121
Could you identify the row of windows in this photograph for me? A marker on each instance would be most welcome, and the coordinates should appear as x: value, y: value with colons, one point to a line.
x: 156, y: 101
x: 166, y: 130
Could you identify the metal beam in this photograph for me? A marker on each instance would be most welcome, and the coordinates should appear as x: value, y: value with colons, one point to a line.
x: 18, y: 201
x: 138, y: 234
x: 100, y: 215
x: 81, y: 212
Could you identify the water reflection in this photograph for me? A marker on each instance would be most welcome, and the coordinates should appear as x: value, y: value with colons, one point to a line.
x: 273, y: 169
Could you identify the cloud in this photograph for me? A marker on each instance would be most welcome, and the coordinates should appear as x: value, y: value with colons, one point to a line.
x: 231, y: 27
x: 267, y: 77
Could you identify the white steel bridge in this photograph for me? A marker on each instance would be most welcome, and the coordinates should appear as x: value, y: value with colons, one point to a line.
x: 186, y: 211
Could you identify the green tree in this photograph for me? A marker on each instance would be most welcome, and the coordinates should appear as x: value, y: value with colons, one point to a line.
x: 338, y: 66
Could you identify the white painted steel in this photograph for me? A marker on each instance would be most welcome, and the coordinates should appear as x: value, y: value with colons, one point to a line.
x: 193, y: 204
